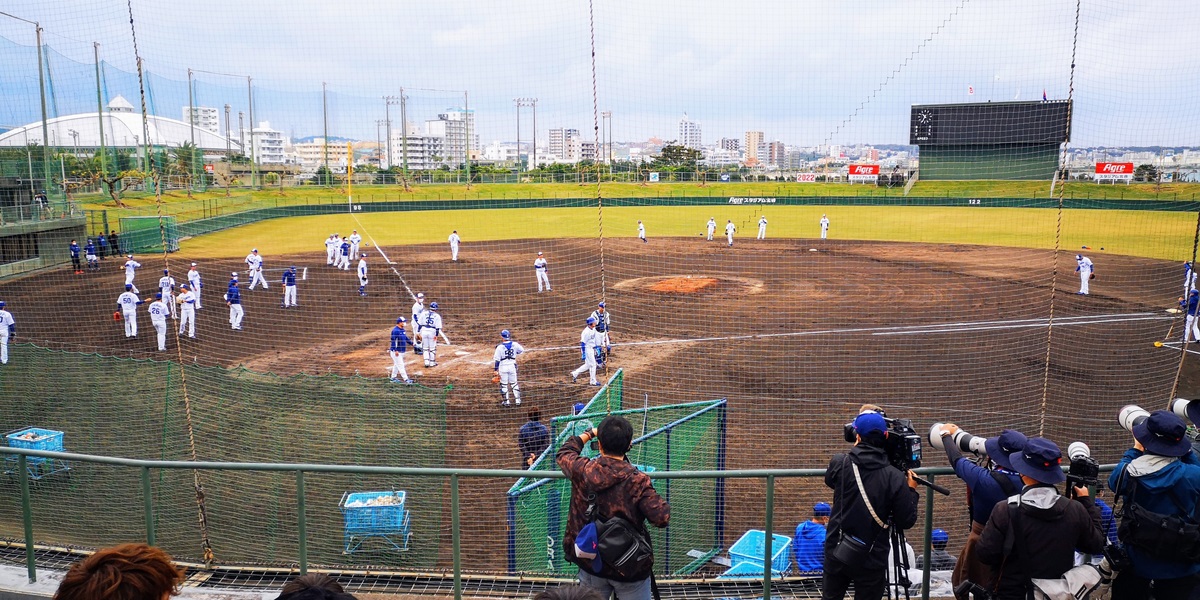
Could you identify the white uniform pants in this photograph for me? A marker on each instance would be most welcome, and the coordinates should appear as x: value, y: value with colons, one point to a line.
x: 130, y: 323
x: 710, y: 234
x: 543, y: 278
x: 354, y: 251
x: 3, y: 345
x: 289, y: 295
x: 256, y: 277
x: 343, y: 262
x: 1084, y: 276
x: 824, y: 232
x: 398, y: 370
x: 730, y: 236
x: 762, y: 232
x: 589, y: 365
x: 1191, y: 326
x: 169, y: 300
x: 129, y: 281
x: 508, y: 378
x: 160, y: 327
x: 429, y: 343
x: 453, y: 251
x: 235, y: 315
x: 188, y: 322
x: 330, y: 255
x: 196, y: 293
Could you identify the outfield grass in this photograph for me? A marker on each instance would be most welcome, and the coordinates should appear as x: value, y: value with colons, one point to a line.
x: 1154, y: 234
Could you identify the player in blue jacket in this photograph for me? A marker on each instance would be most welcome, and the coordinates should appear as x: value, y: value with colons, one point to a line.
x: 234, y: 299
x: 809, y: 544
x: 75, y: 258
x: 289, y: 287
x: 89, y: 252
x: 399, y: 343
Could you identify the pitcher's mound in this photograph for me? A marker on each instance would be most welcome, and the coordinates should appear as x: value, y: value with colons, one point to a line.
x: 682, y: 285
x: 691, y: 284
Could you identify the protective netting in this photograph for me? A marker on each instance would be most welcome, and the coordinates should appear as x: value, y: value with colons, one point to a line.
x: 960, y: 155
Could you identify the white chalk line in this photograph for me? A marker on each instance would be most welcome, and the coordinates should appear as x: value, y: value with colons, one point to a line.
x: 1179, y: 346
x: 902, y: 330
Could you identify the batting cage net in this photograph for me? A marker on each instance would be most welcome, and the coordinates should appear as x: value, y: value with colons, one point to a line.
x: 961, y: 211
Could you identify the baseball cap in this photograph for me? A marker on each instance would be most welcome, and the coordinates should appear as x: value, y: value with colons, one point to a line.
x: 939, y: 536
x: 1194, y: 292
x: 183, y: 286
x: 1000, y: 447
x: 158, y: 296
x: 1163, y: 433
x: 576, y: 409
x: 293, y: 267
x: 193, y: 264
x: 400, y: 320
x: 821, y: 509
x: 586, y: 547
x: 420, y: 295
x: 3, y: 304
x: 235, y: 274
x: 128, y: 286
x: 254, y: 250
x: 869, y: 422
x: 166, y: 271
x: 539, y: 253
x: 601, y: 305
x: 433, y: 305
x: 1078, y: 256
x: 130, y: 256
x: 505, y: 334
x: 591, y: 321
x: 1039, y: 461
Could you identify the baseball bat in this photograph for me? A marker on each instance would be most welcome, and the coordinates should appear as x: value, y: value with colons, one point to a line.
x: 446, y: 339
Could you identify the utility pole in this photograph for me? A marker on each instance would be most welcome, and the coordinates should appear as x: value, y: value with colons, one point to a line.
x: 403, y: 134
x: 388, y: 102
x: 228, y: 149
x: 45, y: 128
x: 100, y: 114
x: 242, y: 133
x: 517, y: 102
x: 467, y: 141
x: 378, y: 145
x: 253, y: 160
x: 325, y: 120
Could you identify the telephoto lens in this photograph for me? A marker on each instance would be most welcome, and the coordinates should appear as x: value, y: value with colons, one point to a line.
x: 1078, y: 450
x: 965, y: 441
x: 1132, y: 416
x: 1187, y: 409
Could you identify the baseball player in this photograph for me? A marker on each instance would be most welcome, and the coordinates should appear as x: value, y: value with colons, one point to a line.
x: 729, y: 231
x: 90, y: 252
x: 504, y: 363
x: 1189, y: 278
x: 1190, y: 304
x: 539, y: 267
x: 166, y: 287
x: 431, y: 326
x: 824, y: 227
x: 158, y: 318
x: 233, y: 277
x: 194, y: 284
x: 75, y: 258
x: 762, y: 227
x: 362, y: 275
x: 188, y: 304
x: 332, y: 243
x: 289, y: 287
x: 234, y: 299
x: 355, y: 240
x: 712, y: 227
x: 587, y: 346
x: 129, y: 301
x: 254, y: 262
x: 131, y: 267
x: 102, y: 241
x: 418, y: 307
x: 343, y: 257
x: 8, y: 328
x: 641, y: 232
x: 1086, y: 271
x: 603, y: 325
x: 454, y: 240
x: 398, y: 345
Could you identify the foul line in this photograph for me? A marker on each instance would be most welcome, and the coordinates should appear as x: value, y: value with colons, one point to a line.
x: 1179, y: 346
x: 905, y: 330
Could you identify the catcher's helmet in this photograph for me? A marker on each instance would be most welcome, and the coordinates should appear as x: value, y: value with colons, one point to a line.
x: 591, y: 321
x: 505, y: 334
x: 433, y: 306
x: 601, y: 305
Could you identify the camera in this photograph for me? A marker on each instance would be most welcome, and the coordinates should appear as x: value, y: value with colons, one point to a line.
x: 902, y: 444
x: 978, y: 592
x: 965, y: 441
x: 1084, y: 470
x: 1131, y: 416
x: 1186, y: 409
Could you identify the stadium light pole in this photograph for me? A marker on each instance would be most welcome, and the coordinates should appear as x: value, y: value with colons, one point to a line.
x: 325, y: 129
x: 467, y: 136
x: 378, y: 145
x: 403, y: 135
x: 253, y: 159
x: 45, y: 127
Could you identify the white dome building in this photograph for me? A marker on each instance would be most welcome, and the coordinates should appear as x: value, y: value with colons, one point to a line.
x: 122, y: 129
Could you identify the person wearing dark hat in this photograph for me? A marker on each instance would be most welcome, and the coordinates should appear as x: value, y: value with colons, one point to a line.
x: 939, y: 560
x: 808, y: 546
x: 985, y: 487
x: 1034, y: 535
x: 533, y: 438
x: 233, y: 298
x: 869, y: 498
x: 399, y: 343
x: 1160, y: 474
x: 166, y: 285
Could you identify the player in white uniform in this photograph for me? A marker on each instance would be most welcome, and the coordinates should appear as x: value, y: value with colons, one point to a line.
x: 824, y: 227
x: 289, y: 287
x: 166, y: 287
x: 158, y: 318
x: 762, y: 227
x: 131, y: 267
x: 641, y: 232
x: 1189, y: 279
x: 362, y: 275
x: 194, y: 284
x: 355, y: 240
x: 7, y: 328
x: 504, y: 363
x: 729, y: 231
x: 539, y: 267
x: 187, y: 310
x: 587, y: 346
x: 1085, y: 269
x: 254, y: 262
x: 454, y: 240
x: 332, y: 243
x: 431, y: 326
x: 129, y: 301
x: 418, y: 307
x: 603, y: 326
x: 712, y: 227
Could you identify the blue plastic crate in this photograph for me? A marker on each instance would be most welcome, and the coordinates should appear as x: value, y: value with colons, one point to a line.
x: 751, y: 549
x: 747, y: 570
x: 47, y: 439
x: 389, y: 518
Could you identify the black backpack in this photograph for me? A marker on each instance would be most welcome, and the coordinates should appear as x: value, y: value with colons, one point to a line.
x: 1167, y: 537
x: 623, y: 548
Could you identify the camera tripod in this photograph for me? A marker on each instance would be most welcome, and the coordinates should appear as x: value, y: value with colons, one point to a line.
x: 900, y: 566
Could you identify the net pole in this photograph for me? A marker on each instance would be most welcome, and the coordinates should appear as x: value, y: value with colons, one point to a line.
x: 1182, y: 346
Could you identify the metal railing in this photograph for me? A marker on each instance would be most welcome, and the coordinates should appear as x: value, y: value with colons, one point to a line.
x: 454, y: 474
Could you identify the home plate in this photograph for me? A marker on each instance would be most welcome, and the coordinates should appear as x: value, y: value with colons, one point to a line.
x: 812, y: 249
x: 461, y: 353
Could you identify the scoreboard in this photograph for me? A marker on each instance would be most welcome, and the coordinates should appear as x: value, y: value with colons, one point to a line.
x: 989, y: 123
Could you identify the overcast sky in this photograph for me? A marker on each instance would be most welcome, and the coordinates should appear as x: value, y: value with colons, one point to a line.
x: 802, y: 72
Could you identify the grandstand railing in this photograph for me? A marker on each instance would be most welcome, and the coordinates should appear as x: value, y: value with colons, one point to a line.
x: 767, y: 475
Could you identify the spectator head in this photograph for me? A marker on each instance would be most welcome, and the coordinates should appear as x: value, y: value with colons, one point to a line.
x: 125, y: 572
x: 1163, y: 433
x: 821, y: 512
x: 615, y: 435
x: 939, y: 538
x: 314, y: 586
x: 871, y: 428
x: 569, y: 592
x: 1040, y: 461
x: 535, y: 414
x: 578, y: 408
x: 999, y: 448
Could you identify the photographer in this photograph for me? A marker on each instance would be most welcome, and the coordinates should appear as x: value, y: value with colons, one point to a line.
x: 1035, y: 534
x: 985, y: 487
x: 1161, y: 475
x: 869, y: 497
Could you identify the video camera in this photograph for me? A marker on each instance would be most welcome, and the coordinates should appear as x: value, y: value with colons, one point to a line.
x: 903, y: 444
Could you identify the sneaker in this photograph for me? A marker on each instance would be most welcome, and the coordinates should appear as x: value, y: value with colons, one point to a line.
x: 394, y: 380
x: 505, y: 403
x: 409, y: 381
x: 595, y: 383
x: 518, y: 401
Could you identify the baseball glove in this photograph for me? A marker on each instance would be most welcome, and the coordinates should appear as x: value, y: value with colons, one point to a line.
x: 418, y: 349
x: 117, y: 315
x: 496, y: 378
x: 1093, y: 276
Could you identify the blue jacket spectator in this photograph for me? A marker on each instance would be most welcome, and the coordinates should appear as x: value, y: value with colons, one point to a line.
x: 533, y: 438
x: 808, y: 546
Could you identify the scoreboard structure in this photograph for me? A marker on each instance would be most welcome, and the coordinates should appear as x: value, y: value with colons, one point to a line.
x: 989, y: 140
